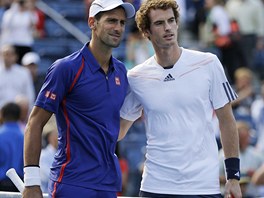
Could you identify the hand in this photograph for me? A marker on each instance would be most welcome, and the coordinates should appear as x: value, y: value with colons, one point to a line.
x: 32, y: 192
x: 232, y: 189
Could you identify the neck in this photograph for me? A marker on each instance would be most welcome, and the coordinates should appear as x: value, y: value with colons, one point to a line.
x: 168, y: 57
x: 102, y: 54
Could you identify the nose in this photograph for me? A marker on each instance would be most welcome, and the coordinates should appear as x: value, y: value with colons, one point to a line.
x: 167, y: 26
x: 120, y: 26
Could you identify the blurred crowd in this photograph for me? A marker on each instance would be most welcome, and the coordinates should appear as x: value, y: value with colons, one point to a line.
x: 231, y: 29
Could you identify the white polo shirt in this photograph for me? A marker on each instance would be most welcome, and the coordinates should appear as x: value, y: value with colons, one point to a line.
x: 178, y: 103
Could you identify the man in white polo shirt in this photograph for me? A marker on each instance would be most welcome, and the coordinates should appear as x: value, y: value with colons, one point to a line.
x: 179, y: 91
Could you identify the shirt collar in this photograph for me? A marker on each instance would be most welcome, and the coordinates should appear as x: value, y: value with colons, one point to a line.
x: 92, y: 62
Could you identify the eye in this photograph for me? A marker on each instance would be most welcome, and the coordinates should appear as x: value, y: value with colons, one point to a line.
x: 158, y: 23
x: 122, y: 22
x: 171, y: 20
x: 112, y: 21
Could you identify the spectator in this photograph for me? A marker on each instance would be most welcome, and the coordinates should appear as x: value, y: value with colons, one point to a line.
x: 14, y: 79
x: 23, y: 103
x: 11, y: 145
x: 250, y: 160
x: 258, y: 176
x: 18, y: 25
x: 245, y: 90
x: 50, y: 136
x: 257, y: 113
x: 249, y: 14
x: 4, y: 5
x: 215, y: 34
x: 138, y: 48
x: 31, y: 61
x: 39, y: 30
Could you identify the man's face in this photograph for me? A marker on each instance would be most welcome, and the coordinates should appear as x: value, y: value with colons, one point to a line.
x: 163, y: 28
x: 9, y: 56
x: 110, y: 27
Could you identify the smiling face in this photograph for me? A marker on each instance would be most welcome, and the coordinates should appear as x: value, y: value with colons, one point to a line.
x: 163, y: 28
x: 108, y: 29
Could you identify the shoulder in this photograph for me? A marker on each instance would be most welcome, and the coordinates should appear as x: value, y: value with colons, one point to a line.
x: 67, y: 64
x: 144, y: 67
x: 19, y: 69
x: 119, y: 65
x: 191, y: 56
x: 197, y: 52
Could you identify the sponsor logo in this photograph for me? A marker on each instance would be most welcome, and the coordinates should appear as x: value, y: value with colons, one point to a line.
x: 117, y: 80
x: 169, y: 78
x: 50, y: 95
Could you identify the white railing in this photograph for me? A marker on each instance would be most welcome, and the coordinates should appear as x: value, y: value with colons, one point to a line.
x: 14, y: 195
x: 58, y: 18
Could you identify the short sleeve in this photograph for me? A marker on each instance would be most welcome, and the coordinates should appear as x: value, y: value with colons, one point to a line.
x: 55, y: 87
x: 131, y: 109
x: 221, y: 91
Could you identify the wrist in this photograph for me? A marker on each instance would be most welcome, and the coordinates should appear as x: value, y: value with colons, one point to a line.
x: 32, y: 176
x: 232, y: 168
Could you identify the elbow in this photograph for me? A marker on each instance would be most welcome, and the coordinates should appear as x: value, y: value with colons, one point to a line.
x: 121, y: 135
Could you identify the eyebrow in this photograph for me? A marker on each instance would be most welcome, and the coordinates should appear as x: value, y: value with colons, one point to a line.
x: 160, y: 20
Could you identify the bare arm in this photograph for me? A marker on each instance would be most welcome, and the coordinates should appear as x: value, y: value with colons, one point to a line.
x: 229, y: 134
x: 124, y: 126
x: 32, y: 141
x: 258, y: 176
x: 229, y: 139
x: 32, y: 145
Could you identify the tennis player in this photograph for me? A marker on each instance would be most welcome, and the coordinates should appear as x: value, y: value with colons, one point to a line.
x: 85, y: 91
x: 179, y: 91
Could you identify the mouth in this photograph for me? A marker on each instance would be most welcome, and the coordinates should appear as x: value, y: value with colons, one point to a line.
x: 168, y: 36
x: 116, y: 36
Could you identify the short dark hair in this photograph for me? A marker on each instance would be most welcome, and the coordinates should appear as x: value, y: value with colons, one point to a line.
x: 10, y: 112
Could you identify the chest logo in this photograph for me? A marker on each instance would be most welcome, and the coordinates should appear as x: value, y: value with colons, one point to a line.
x: 169, y: 78
x: 117, y: 81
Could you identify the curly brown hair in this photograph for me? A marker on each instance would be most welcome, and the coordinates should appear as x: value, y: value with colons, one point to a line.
x: 142, y: 15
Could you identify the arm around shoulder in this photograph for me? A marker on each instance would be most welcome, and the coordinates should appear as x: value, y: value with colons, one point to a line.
x: 124, y: 127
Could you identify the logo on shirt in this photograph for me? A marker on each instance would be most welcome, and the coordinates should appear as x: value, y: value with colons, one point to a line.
x: 47, y: 94
x: 117, y: 80
x: 50, y: 95
x: 169, y: 78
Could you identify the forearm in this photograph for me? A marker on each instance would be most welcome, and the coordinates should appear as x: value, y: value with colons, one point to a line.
x: 124, y: 127
x: 32, y: 145
x: 33, y: 135
x: 229, y: 140
x: 229, y: 134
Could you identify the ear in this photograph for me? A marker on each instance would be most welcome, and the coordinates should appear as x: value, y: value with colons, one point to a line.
x: 91, y: 23
x: 146, y: 34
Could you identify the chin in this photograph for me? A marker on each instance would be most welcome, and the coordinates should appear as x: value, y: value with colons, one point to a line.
x: 114, y: 45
